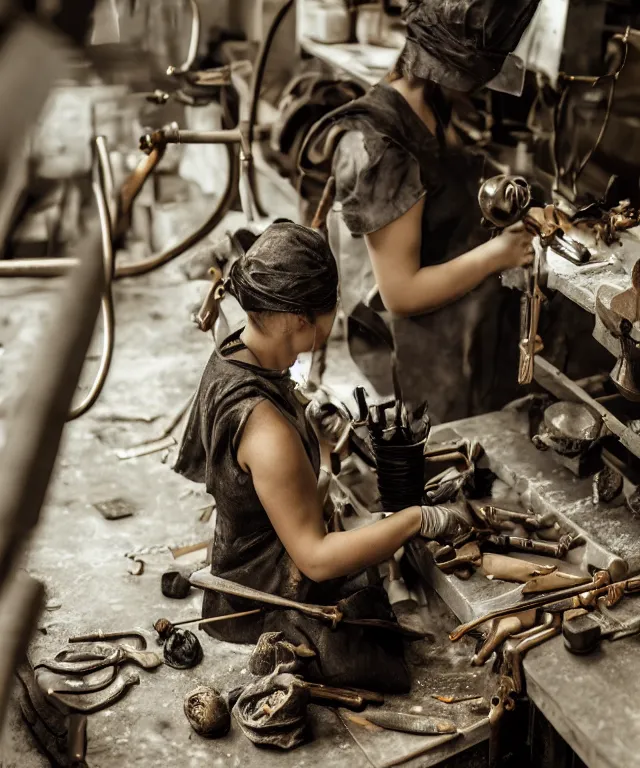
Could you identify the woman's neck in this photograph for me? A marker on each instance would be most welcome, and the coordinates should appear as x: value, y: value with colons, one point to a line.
x: 276, y: 356
x: 413, y: 94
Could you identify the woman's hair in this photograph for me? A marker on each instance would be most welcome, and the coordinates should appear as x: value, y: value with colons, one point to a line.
x: 290, y: 268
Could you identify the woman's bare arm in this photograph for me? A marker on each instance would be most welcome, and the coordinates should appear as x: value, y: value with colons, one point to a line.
x: 272, y: 452
x: 408, y: 289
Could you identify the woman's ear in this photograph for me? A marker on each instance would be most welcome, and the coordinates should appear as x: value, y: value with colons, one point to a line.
x: 303, y: 323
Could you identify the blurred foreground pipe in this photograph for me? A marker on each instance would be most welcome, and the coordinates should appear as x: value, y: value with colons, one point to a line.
x: 33, y: 433
x: 36, y: 267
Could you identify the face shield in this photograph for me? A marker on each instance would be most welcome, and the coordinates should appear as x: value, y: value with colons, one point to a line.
x: 511, y: 77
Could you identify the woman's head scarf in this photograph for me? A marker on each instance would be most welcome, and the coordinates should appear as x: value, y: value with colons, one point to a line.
x: 290, y: 268
x: 463, y: 44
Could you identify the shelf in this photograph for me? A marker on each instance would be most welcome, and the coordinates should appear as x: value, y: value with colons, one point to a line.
x: 365, y: 63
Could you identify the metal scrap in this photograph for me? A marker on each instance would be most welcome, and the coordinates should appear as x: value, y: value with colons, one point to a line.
x: 419, y: 724
x: 508, y: 568
x: 116, y: 509
x: 146, y: 449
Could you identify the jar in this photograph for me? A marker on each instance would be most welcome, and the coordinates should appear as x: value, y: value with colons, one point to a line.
x: 325, y: 21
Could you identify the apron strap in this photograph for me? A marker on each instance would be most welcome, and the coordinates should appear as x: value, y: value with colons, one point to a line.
x: 324, y: 206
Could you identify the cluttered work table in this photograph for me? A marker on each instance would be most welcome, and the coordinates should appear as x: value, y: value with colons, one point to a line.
x: 587, y: 699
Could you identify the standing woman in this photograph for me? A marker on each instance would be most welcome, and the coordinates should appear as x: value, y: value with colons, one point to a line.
x: 249, y: 441
x: 406, y: 222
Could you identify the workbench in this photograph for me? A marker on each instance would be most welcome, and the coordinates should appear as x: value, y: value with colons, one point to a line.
x: 588, y: 700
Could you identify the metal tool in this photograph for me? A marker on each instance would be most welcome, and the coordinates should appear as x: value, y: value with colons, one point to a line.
x: 350, y: 698
x: 530, y: 305
x: 108, y: 636
x: 600, y: 583
x: 500, y: 630
x: 552, y: 581
x: 503, y: 700
x: 450, y: 560
x: 506, y: 199
x: 550, y: 549
x: 583, y: 634
x: 330, y: 614
x: 94, y: 657
x: 360, y: 396
x: 511, y: 682
x: 420, y: 724
x: 515, y: 648
x: 493, y: 516
x: 164, y: 627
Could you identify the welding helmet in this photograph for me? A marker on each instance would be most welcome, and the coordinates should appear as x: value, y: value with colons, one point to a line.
x: 467, y: 44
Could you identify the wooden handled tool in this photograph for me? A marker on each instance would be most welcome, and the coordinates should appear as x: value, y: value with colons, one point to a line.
x: 330, y: 614
x: 601, y: 580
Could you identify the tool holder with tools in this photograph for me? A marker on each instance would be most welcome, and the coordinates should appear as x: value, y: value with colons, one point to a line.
x: 398, y: 446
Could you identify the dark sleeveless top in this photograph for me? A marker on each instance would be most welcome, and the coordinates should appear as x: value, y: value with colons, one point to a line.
x: 246, y: 547
x: 461, y: 358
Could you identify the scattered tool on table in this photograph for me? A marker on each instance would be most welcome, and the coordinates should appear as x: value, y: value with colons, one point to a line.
x: 165, y: 628
x: 405, y: 723
x: 331, y: 614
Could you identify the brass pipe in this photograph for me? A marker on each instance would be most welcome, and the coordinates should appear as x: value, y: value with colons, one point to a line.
x: 132, y: 187
x: 106, y: 303
x: 36, y: 267
x: 147, y: 265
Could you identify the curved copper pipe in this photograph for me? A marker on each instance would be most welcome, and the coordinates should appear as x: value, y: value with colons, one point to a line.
x: 106, y: 305
x: 147, y: 265
x: 132, y: 186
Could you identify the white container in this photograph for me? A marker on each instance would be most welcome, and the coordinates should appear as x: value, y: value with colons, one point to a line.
x: 373, y: 27
x: 325, y: 21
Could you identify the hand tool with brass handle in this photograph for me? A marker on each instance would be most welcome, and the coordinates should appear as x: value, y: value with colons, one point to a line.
x: 600, y: 580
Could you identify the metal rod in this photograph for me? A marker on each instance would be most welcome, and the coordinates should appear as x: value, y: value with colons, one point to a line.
x: 194, y: 39
x: 105, y: 171
x: 225, y: 136
x: 106, y: 304
x: 36, y: 267
x: 536, y: 602
x: 213, y: 619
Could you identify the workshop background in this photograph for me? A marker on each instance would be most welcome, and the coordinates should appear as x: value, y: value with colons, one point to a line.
x: 140, y: 143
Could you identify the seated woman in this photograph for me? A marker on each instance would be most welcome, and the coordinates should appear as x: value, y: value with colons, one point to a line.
x: 249, y: 441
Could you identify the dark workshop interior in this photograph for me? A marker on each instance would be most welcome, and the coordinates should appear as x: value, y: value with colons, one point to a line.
x: 320, y: 383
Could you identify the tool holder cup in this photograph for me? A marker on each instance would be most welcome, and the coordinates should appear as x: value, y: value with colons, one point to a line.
x: 401, y: 473
x: 397, y: 445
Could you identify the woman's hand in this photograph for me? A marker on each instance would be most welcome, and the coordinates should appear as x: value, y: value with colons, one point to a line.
x: 444, y: 521
x: 513, y: 247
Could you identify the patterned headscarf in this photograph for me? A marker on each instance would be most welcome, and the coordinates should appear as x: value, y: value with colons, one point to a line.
x: 290, y: 268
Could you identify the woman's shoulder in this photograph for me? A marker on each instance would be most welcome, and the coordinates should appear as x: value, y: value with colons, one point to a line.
x: 377, y: 180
